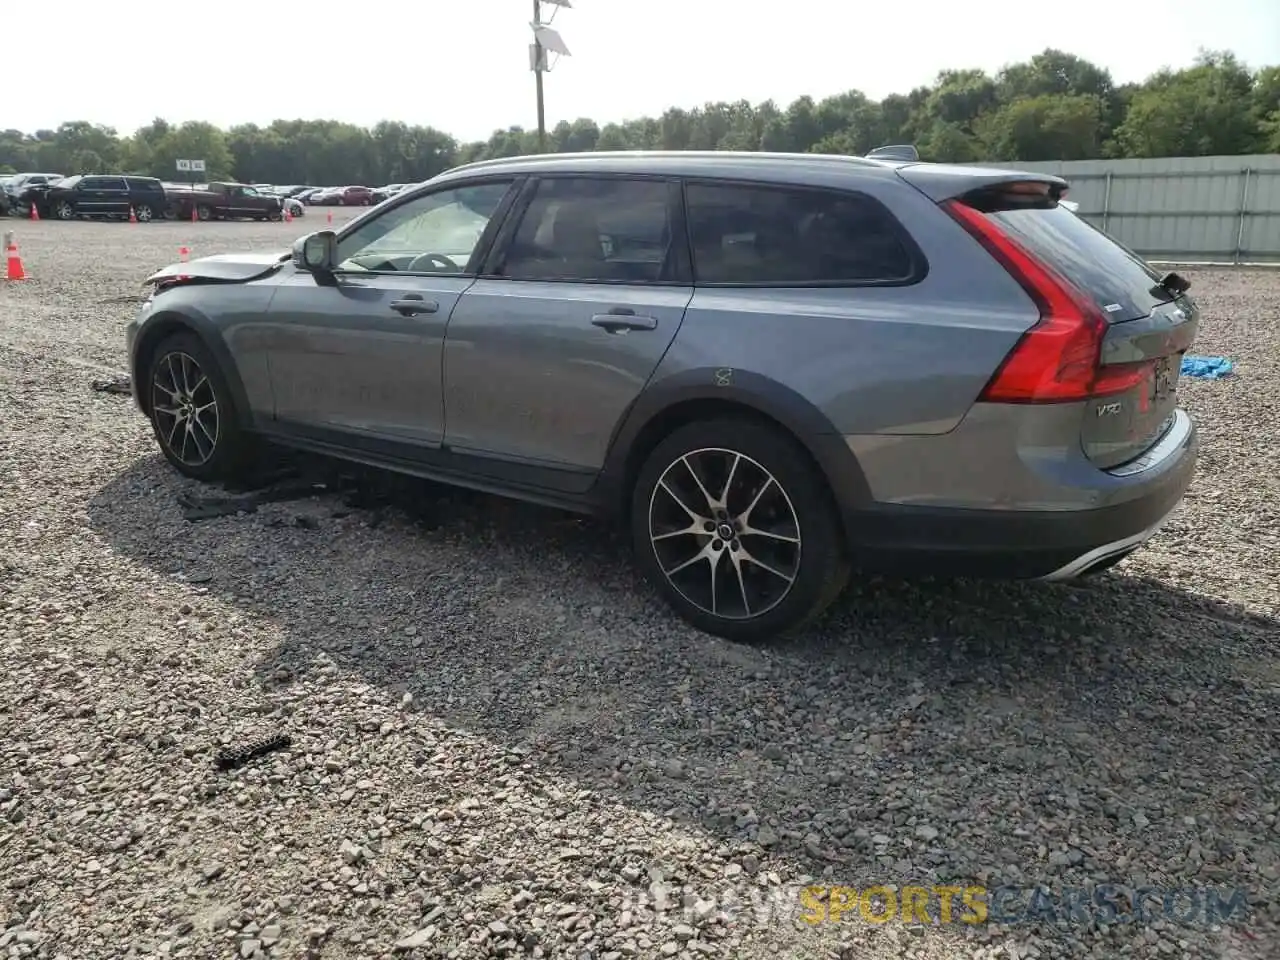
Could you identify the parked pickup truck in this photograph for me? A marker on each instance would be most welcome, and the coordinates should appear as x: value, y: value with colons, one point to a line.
x: 223, y: 201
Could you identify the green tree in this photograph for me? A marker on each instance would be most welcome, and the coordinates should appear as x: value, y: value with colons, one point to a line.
x: 1054, y: 106
x: 1204, y: 110
x: 1044, y: 127
x: 195, y: 140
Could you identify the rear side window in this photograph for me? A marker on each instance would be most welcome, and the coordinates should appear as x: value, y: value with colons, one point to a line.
x: 103, y: 183
x: 603, y: 229
x: 764, y: 235
x: 143, y: 185
x: 1120, y: 281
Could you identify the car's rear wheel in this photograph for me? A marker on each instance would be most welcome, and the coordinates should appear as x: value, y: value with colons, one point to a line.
x: 204, y: 212
x: 736, y: 527
x: 143, y: 212
x: 192, y: 410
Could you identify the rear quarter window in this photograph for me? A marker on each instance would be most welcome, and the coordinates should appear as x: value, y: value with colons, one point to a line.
x: 762, y: 235
x: 1121, y: 282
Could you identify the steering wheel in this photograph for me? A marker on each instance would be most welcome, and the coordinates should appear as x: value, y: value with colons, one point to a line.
x: 437, y: 259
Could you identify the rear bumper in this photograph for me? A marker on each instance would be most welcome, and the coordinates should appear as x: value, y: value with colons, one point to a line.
x: 1029, y: 544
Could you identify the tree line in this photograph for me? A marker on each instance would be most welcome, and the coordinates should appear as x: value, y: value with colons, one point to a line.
x: 1055, y: 106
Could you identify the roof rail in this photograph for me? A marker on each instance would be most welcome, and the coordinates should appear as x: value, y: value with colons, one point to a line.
x: 742, y: 155
x: 897, y: 151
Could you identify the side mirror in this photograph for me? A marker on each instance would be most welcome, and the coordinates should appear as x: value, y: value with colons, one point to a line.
x: 316, y: 252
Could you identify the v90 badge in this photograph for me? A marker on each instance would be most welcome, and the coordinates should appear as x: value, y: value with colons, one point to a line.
x: 1109, y: 409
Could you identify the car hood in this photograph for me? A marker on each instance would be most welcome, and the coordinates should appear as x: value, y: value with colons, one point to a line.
x: 224, y: 267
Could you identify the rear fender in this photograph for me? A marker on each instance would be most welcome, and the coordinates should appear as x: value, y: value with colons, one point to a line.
x: 721, y: 391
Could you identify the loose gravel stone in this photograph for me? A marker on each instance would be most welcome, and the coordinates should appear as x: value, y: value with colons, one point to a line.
x: 503, y: 745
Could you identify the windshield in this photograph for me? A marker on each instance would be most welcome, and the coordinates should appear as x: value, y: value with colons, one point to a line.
x: 69, y: 181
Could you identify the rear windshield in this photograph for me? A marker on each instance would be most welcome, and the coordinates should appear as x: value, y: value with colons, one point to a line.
x: 1120, y: 281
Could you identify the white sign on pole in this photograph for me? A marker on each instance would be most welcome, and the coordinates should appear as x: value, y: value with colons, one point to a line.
x: 184, y: 165
x: 197, y: 166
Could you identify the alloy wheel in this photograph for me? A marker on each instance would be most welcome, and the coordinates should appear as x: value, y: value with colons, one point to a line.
x: 725, y: 533
x: 185, y: 409
x: 65, y: 211
x: 143, y: 213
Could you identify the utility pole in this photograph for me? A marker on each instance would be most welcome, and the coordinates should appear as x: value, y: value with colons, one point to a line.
x: 545, y: 41
x: 539, y: 64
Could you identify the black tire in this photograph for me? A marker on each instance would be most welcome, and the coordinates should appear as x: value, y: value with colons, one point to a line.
x: 821, y: 565
x: 144, y: 213
x: 64, y: 211
x: 204, y: 213
x: 232, y: 448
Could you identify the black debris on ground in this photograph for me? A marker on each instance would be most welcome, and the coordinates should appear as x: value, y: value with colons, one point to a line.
x: 230, y: 758
x: 118, y: 385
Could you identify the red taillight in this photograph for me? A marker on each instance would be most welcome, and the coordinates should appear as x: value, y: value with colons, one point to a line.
x: 1057, y: 360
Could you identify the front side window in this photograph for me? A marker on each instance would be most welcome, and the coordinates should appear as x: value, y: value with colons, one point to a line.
x: 103, y: 183
x: 749, y: 234
x: 603, y: 229
x: 436, y: 233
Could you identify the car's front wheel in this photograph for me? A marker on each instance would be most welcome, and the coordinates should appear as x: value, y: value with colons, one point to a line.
x: 736, y: 527
x: 192, y: 410
x: 65, y: 211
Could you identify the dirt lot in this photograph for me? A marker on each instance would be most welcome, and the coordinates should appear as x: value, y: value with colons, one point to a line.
x: 503, y: 745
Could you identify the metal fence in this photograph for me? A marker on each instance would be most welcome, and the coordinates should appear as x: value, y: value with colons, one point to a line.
x: 1216, y: 210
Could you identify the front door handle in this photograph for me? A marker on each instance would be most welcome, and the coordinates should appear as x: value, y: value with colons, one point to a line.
x: 413, y: 304
x: 622, y: 319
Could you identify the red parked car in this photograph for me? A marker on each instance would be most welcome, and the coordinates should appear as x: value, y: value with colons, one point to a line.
x: 343, y: 197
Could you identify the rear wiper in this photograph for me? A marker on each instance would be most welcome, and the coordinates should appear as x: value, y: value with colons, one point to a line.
x: 1174, y: 283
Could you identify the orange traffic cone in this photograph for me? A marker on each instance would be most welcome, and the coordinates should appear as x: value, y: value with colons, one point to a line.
x: 133, y: 217
x: 330, y: 216
x: 184, y: 254
x: 194, y: 218
x: 35, y: 214
x: 14, y: 270
x: 288, y: 215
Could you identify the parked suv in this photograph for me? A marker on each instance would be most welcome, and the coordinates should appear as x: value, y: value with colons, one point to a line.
x: 773, y: 368
x: 106, y: 196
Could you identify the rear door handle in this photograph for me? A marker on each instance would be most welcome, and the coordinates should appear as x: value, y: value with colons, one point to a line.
x: 621, y: 322
x: 413, y: 304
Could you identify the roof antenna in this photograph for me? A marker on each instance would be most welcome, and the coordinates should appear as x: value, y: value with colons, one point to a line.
x: 898, y: 151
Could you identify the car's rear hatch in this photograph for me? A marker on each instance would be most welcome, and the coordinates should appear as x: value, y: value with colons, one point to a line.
x: 1151, y: 323
x: 1113, y: 329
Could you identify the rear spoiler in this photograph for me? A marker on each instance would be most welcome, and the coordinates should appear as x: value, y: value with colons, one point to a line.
x: 944, y: 181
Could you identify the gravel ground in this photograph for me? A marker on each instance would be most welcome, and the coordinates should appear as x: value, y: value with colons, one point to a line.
x: 502, y: 745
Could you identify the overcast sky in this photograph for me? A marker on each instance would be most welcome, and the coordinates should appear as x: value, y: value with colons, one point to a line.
x: 462, y: 66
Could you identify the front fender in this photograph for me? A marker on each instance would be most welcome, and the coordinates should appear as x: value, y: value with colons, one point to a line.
x: 185, y: 316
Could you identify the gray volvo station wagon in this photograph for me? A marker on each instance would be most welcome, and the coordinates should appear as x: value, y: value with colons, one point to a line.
x: 774, y: 369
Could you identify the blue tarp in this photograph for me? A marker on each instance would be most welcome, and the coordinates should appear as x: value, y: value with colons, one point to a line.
x: 1207, y: 368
